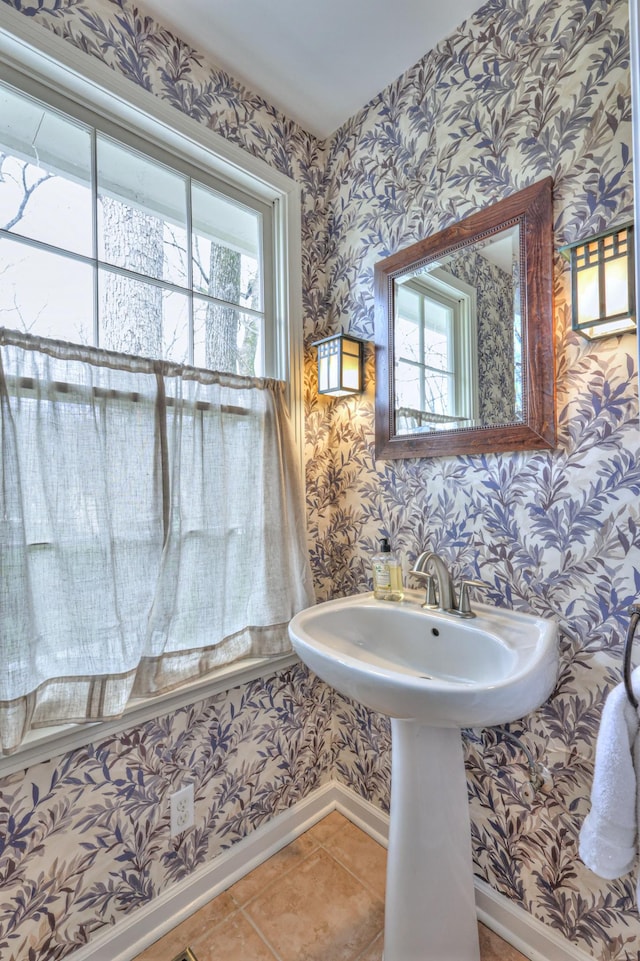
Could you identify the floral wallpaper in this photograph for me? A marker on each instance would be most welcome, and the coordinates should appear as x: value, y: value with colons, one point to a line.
x: 250, y: 754
x: 520, y: 91
x: 497, y: 345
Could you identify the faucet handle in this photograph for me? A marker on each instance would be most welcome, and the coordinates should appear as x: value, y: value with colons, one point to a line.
x: 464, y: 607
x: 430, y: 584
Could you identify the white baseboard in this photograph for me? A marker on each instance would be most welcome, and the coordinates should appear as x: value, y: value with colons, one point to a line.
x: 364, y: 814
x: 129, y: 937
x: 531, y: 937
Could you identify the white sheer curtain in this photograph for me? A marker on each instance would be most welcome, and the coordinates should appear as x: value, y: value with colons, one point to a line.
x: 152, y: 527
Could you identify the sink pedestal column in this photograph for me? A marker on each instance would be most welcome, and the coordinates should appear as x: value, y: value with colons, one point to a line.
x: 430, y: 906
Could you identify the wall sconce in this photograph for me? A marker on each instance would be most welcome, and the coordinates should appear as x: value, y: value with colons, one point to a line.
x: 340, y: 365
x: 603, y: 283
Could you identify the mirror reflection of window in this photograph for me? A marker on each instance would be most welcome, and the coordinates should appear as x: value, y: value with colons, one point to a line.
x: 436, y: 368
x: 458, y: 339
x: 491, y: 266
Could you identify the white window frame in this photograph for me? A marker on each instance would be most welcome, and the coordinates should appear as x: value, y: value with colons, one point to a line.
x: 101, y: 131
x: 30, y: 54
x: 461, y: 297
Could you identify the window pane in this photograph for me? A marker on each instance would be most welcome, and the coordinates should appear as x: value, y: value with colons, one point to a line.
x: 45, y: 294
x: 436, y: 351
x: 142, y: 214
x: 45, y: 174
x: 227, y: 339
x: 438, y: 335
x: 227, y: 249
x: 139, y: 226
x: 143, y: 319
x: 438, y: 316
x: 407, y: 323
x: 437, y: 395
x: 408, y: 385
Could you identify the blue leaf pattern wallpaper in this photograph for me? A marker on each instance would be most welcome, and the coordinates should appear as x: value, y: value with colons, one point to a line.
x: 86, y: 838
x: 521, y: 91
x: 498, y: 400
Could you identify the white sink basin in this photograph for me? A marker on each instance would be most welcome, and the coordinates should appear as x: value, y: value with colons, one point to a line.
x: 407, y: 662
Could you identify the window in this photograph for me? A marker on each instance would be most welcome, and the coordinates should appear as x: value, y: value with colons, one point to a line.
x: 435, y: 336
x: 149, y: 479
x: 132, y: 251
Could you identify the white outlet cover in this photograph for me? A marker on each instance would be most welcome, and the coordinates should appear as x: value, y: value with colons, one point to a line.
x: 181, y: 807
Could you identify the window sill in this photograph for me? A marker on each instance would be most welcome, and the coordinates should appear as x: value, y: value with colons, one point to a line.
x: 50, y: 742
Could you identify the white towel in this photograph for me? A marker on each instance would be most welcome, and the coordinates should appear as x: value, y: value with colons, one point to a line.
x: 608, y: 837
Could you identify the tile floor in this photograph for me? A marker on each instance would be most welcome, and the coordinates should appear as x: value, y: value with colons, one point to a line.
x: 321, y: 898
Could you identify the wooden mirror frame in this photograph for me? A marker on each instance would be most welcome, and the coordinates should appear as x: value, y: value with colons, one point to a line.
x: 531, y: 209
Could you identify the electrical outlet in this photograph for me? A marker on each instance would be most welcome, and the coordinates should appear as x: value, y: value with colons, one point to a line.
x: 181, y: 807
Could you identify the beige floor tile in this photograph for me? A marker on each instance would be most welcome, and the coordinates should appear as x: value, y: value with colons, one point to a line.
x: 374, y: 951
x: 493, y: 948
x: 360, y: 854
x: 233, y: 940
x: 327, y: 827
x: 166, y: 948
x: 198, y: 925
x: 318, y: 912
x: 307, y: 906
x: 206, y: 918
x: 279, y: 864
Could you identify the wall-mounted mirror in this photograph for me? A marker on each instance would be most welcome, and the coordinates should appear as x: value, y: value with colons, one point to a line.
x: 464, y: 335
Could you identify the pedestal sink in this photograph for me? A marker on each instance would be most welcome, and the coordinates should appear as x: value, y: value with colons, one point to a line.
x: 432, y: 674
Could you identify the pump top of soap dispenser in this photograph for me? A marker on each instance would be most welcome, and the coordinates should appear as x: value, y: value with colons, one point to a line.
x: 385, y: 547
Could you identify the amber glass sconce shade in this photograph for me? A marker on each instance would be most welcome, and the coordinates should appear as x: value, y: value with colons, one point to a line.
x: 340, y: 365
x: 603, y: 283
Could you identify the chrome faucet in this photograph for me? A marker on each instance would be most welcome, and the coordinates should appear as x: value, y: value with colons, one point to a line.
x: 446, y: 595
x: 446, y: 601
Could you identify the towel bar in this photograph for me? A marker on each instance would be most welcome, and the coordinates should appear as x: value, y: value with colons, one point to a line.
x: 634, y: 612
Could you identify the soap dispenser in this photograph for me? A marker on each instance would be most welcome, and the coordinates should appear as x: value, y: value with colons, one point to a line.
x: 387, y: 574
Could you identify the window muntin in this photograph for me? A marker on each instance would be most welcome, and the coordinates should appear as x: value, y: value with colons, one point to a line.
x: 181, y: 265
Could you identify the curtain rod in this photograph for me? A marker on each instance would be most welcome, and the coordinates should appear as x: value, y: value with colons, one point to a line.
x: 98, y: 357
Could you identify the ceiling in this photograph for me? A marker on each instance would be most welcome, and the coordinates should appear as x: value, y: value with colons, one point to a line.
x: 319, y: 61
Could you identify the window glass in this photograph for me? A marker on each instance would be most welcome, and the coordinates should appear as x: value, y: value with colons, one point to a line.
x: 108, y: 239
x: 178, y: 265
x: 408, y: 324
x: 142, y: 214
x: 58, y: 305
x: 45, y: 174
x: 142, y: 318
x: 438, y: 335
x: 227, y: 241
x: 429, y: 327
x: 227, y: 339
